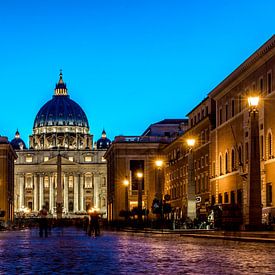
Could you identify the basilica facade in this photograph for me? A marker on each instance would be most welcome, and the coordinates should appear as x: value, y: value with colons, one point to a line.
x: 60, y: 132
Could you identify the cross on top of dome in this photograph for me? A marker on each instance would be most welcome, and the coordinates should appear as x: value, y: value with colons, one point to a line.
x: 60, y: 87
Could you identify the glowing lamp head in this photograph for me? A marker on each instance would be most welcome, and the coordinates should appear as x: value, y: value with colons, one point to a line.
x: 126, y: 182
x: 139, y: 175
x: 159, y: 163
x: 191, y: 142
x: 253, y: 102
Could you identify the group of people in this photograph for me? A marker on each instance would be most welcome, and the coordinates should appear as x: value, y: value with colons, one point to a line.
x: 91, y: 224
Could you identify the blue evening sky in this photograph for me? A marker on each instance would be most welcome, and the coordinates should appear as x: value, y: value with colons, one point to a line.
x: 128, y: 63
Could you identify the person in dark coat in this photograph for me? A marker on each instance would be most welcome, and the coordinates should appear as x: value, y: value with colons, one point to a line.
x: 43, y: 222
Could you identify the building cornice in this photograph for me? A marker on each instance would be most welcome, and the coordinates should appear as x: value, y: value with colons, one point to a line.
x: 264, y: 53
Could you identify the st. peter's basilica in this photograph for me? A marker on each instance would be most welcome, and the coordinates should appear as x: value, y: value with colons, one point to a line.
x: 61, y: 130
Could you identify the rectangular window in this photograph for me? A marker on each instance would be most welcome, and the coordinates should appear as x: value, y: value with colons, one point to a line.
x: 269, y: 194
x: 46, y: 182
x: 220, y: 116
x: 261, y: 85
x: 269, y: 83
x: 213, y: 200
x: 206, y: 110
x: 262, y: 146
x: 226, y: 112
x: 232, y: 195
x: 28, y: 159
x: 71, y: 182
x: 232, y: 107
x: 220, y: 198
x: 239, y: 196
x: 226, y: 198
x: 240, y: 102
x: 246, y: 152
x: 88, y: 158
x: 28, y: 182
x: 214, y: 169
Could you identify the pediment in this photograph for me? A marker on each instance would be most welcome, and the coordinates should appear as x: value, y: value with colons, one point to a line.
x: 53, y: 161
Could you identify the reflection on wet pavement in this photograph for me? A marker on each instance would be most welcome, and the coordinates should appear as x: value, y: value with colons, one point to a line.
x: 70, y: 251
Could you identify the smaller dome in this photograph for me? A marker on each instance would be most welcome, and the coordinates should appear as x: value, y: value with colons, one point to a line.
x: 103, y: 142
x: 17, y: 143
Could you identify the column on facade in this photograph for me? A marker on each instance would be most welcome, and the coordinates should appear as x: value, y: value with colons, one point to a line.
x: 81, y: 193
x: 21, y: 190
x: 35, y: 192
x: 51, y: 193
x: 66, y: 192
x: 76, y: 193
x: 96, y: 191
x: 41, y: 191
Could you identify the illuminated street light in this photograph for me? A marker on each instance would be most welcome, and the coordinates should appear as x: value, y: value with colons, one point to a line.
x: 253, y: 102
x: 191, y: 142
x: 191, y: 190
x: 159, y: 163
x: 254, y: 218
x: 159, y: 188
x: 126, y: 184
x: 140, y: 177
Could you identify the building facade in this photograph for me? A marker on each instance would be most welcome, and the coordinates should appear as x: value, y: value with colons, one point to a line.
x: 230, y: 168
x: 231, y: 139
x: 61, y: 128
x: 7, y: 157
x: 129, y: 155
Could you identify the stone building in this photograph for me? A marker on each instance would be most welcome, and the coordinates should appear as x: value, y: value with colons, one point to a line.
x: 231, y: 139
x: 187, y: 169
x: 61, y: 128
x: 7, y: 157
x: 131, y: 154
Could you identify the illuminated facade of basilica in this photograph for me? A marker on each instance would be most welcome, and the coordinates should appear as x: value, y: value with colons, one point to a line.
x: 60, y: 128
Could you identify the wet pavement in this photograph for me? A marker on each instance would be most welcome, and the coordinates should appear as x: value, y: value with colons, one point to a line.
x: 70, y: 251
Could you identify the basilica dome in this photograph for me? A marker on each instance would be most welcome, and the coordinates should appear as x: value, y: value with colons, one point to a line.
x: 61, y: 110
x: 61, y: 123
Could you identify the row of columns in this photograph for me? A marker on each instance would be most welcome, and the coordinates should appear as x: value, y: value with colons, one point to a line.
x: 38, y: 191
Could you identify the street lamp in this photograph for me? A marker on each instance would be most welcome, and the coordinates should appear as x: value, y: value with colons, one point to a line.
x: 254, y: 217
x: 140, y: 177
x: 191, y: 190
x: 126, y: 184
x: 159, y: 188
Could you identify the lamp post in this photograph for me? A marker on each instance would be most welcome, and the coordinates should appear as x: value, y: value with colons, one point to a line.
x: 254, y: 217
x: 191, y: 190
x: 140, y: 177
x: 126, y: 184
x: 159, y: 188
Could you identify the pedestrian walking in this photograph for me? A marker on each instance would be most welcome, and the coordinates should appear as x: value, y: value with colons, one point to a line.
x: 43, y: 222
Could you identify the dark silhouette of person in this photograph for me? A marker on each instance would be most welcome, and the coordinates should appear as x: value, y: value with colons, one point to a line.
x: 94, y: 225
x: 43, y: 222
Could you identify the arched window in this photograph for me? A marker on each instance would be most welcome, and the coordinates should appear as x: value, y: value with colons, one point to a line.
x: 240, y: 155
x: 220, y: 165
x: 226, y: 162
x: 233, y: 160
x: 269, y: 144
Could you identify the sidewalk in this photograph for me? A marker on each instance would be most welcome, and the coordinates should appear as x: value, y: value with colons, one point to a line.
x: 246, y: 236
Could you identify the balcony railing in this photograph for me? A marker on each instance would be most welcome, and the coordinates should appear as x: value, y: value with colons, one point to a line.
x: 142, y: 139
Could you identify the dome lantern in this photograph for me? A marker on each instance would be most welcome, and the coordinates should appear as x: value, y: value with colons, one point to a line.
x: 60, y: 87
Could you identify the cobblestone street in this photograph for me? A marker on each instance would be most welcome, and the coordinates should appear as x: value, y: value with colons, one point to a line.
x: 70, y: 251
